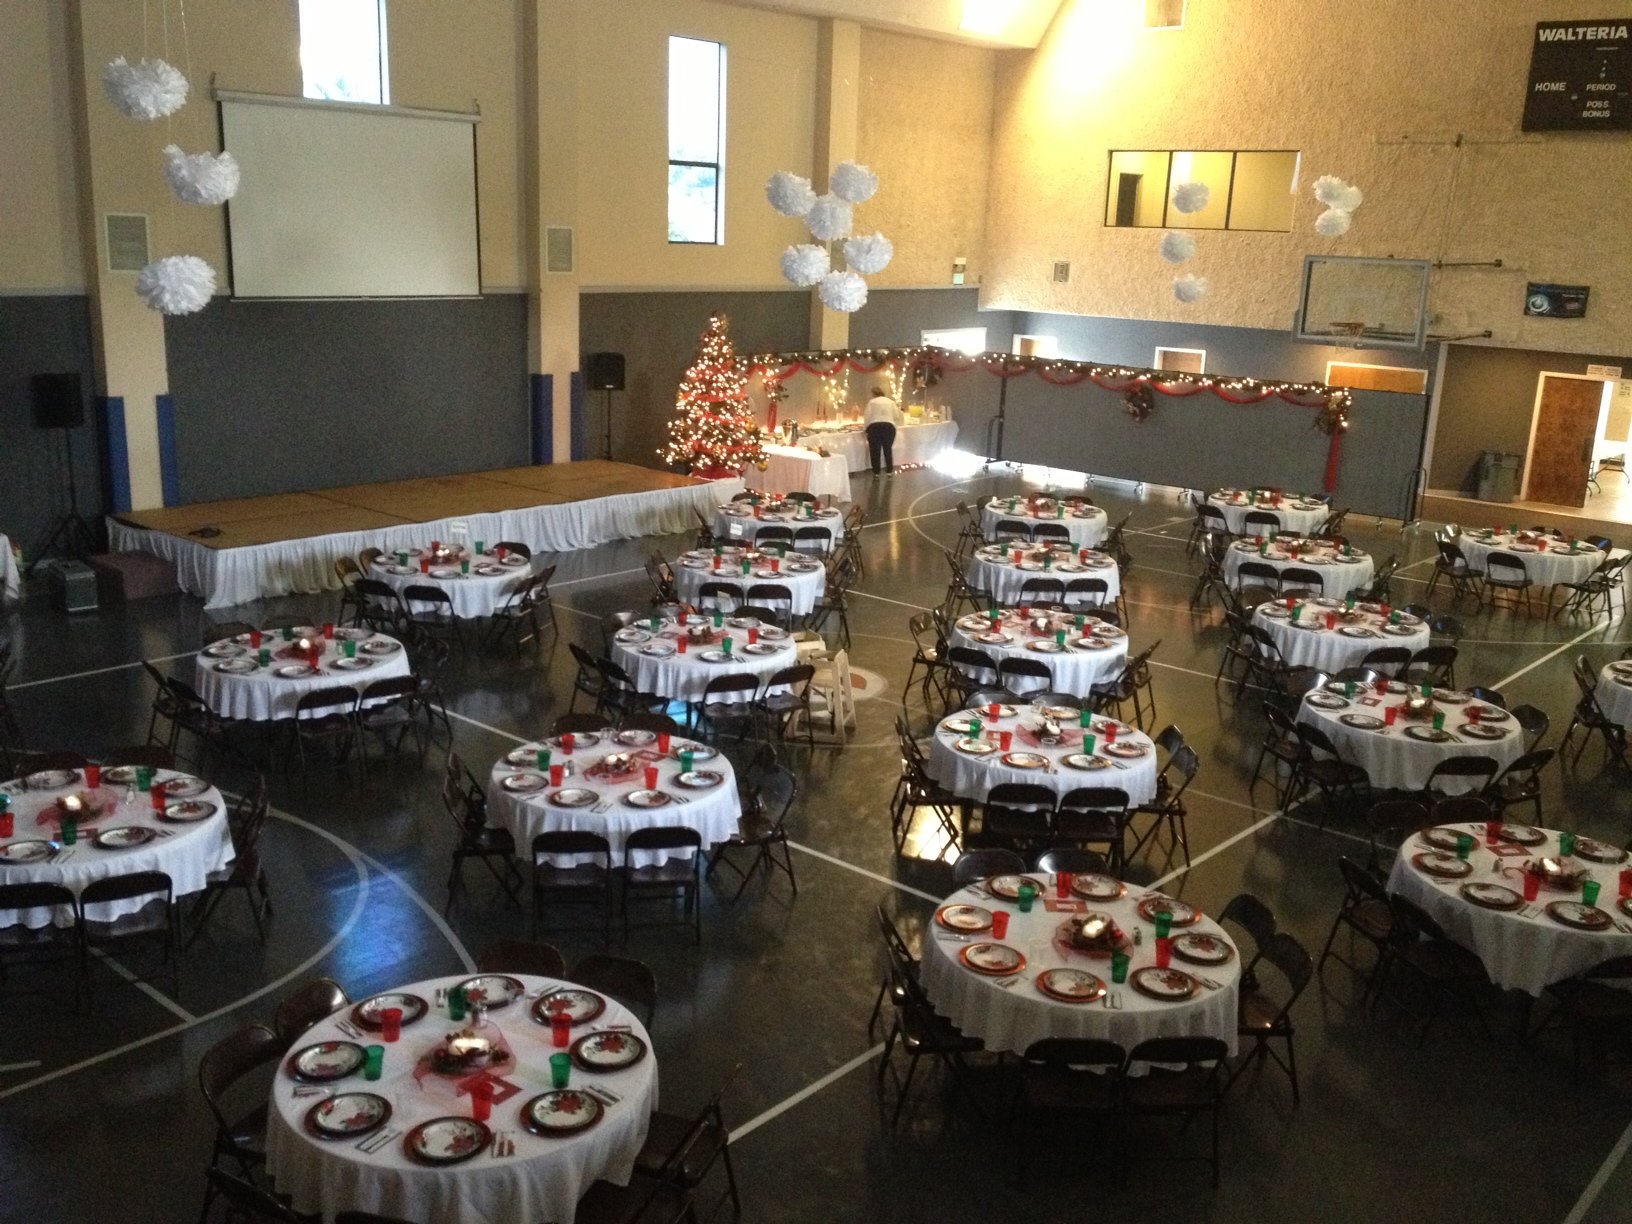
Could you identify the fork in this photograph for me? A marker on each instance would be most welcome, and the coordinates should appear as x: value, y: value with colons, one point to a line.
x: 375, y: 1142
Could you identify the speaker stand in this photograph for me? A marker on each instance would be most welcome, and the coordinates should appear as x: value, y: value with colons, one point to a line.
x: 608, y: 455
x: 71, y: 536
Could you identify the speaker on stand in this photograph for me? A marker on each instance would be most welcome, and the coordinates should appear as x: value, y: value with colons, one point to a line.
x: 604, y: 372
x: 59, y: 403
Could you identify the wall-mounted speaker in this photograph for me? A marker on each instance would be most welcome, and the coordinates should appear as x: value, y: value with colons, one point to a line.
x: 59, y: 403
x: 603, y: 371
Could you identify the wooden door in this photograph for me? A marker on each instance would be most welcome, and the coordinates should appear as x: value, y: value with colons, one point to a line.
x: 1561, y: 453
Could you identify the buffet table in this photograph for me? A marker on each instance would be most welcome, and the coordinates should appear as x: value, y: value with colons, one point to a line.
x: 921, y: 443
x: 791, y: 469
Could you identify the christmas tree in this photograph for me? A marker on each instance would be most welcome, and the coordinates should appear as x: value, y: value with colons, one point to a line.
x: 713, y: 431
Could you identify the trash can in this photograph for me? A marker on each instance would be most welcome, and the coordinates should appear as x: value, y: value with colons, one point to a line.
x: 1499, y: 476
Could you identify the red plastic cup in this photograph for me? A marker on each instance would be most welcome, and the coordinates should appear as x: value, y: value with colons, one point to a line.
x: 994, y: 711
x: 776, y: 565
x: 651, y: 777
x: 1390, y: 714
x: 1473, y: 716
x: 1025, y: 611
x: 158, y: 796
x: 1532, y: 885
x: 1110, y: 733
x: 1384, y: 611
x: 663, y: 742
x: 1000, y: 924
x: 560, y: 1030
x: 1082, y: 555
x: 93, y: 776
x: 1382, y: 684
x: 1005, y: 739
x: 390, y: 1023
x: 424, y: 565
x: 555, y: 774
x: 1331, y: 620
x: 717, y: 560
x: 1493, y: 832
x: 683, y: 642
x: 328, y: 630
x: 1062, y: 883
x: 8, y: 825
x: 499, y: 551
x: 567, y: 742
x: 1164, y: 952
x: 1291, y: 602
x: 1018, y: 553
x: 481, y: 1099
x: 753, y: 637
x: 1626, y: 881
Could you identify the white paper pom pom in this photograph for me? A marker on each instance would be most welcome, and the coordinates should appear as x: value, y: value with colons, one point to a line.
x: 852, y: 182
x: 201, y: 178
x: 868, y: 253
x: 1328, y: 187
x: 1176, y: 248
x: 1333, y: 223
x: 147, y: 89
x: 1191, y: 197
x: 176, y: 284
x: 828, y: 218
x: 789, y: 194
x: 806, y: 264
x: 1189, y: 287
x: 844, y: 291
x: 1349, y: 199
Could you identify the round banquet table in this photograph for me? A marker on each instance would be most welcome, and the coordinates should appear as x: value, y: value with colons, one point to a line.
x: 543, y: 1180
x: 971, y: 776
x: 1394, y: 757
x: 1086, y: 524
x: 476, y: 595
x: 804, y: 468
x: 992, y: 569
x: 1084, y: 661
x: 1298, y: 515
x: 737, y: 521
x: 1614, y: 692
x: 805, y: 577
x: 713, y: 811
x: 1524, y: 948
x: 1010, y: 1014
x: 186, y: 852
x: 657, y: 666
x: 263, y: 694
x: 1339, y: 574
x: 1547, y: 562
x: 1307, y: 642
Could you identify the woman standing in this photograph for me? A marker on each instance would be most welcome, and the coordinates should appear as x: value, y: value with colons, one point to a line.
x: 881, y: 417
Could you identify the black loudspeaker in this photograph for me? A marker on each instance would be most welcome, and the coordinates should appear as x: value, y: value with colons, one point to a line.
x: 604, y: 371
x: 58, y: 401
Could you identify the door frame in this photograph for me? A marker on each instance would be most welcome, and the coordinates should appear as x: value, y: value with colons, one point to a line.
x: 1535, y: 420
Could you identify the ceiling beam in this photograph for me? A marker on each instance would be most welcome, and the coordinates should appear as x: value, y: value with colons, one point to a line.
x: 1013, y: 24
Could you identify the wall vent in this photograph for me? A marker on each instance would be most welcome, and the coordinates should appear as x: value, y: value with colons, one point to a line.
x: 1062, y: 271
x: 127, y: 241
x: 558, y: 248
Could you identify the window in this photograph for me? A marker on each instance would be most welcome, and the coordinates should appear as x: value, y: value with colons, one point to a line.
x: 968, y: 340
x: 696, y: 140
x: 1247, y: 190
x: 1181, y: 360
x: 1164, y: 14
x: 342, y: 50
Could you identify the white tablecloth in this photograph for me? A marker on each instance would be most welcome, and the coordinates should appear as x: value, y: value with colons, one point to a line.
x: 228, y: 576
x: 1397, y: 761
x: 1520, y: 951
x: 683, y: 677
x: 1556, y: 564
x: 475, y: 595
x: 544, y: 1179
x: 186, y: 852
x: 262, y: 694
x: 913, y: 443
x: 1011, y: 1017
x: 1297, y: 516
x: 804, y: 577
x: 737, y: 522
x: 714, y: 813
x: 793, y: 468
x: 1614, y: 696
x: 993, y: 570
x: 1338, y: 574
x: 1076, y: 669
x: 972, y: 777
x: 1332, y: 650
x: 1087, y: 526
x: 10, y: 587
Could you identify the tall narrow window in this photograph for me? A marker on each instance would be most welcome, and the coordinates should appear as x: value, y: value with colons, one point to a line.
x: 696, y: 140
x: 342, y: 50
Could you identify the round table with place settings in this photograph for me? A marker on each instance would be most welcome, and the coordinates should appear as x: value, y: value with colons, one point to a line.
x: 1327, y: 636
x: 969, y: 768
x: 475, y: 594
x: 603, y: 790
x: 657, y: 665
x: 1480, y: 902
x: 1093, y: 653
x: 1339, y: 572
x: 410, y: 1149
x: 1614, y: 692
x: 1546, y: 560
x: 1298, y: 515
x: 120, y: 832
x: 1402, y: 755
x: 1086, y: 523
x: 230, y: 678
x: 994, y: 570
x: 737, y: 521
x: 805, y: 577
x: 1036, y: 982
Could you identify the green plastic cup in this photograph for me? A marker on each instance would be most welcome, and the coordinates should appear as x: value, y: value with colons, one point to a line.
x: 1464, y: 845
x: 1028, y: 894
x: 1566, y: 844
x: 402, y: 556
x: 1085, y: 720
x: 481, y: 547
x: 288, y: 633
x: 1589, y: 892
x: 686, y: 760
x: 1119, y: 967
x: 974, y: 728
x: 543, y: 760
x: 265, y: 657
x: 560, y: 1069
x: 350, y: 649
x: 1059, y: 637
x: 70, y: 831
x: 719, y: 619
x: 456, y: 1003
x: 1088, y: 742
x: 1164, y: 923
x: 1439, y: 721
x: 726, y: 645
x: 144, y: 777
x: 373, y: 1061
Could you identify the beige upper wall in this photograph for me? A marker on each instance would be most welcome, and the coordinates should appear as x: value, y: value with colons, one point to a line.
x: 1342, y: 81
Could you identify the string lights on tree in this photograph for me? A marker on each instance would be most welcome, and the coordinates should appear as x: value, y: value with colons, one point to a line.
x: 713, y: 432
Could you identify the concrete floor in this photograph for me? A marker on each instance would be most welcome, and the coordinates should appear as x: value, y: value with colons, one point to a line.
x: 109, y: 1124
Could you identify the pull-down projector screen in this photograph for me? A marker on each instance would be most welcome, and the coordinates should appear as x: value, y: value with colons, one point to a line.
x: 347, y: 201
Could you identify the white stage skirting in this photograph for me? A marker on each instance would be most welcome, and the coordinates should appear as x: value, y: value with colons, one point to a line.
x: 223, y: 577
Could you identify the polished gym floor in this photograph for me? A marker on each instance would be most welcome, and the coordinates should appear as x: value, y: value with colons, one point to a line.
x: 101, y: 1119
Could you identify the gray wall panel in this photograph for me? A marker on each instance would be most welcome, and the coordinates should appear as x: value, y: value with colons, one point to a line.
x: 897, y: 318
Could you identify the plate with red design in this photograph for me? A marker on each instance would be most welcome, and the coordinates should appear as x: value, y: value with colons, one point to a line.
x: 1439, y: 863
x: 607, y: 1051
x: 1092, y: 886
x: 1168, y: 985
x: 563, y: 1112
x: 367, y: 1013
x: 348, y: 1115
x: 1595, y: 851
x: 492, y: 990
x: 574, y: 1002
x: 1578, y: 915
x: 1200, y: 948
x: 967, y: 918
x: 1184, y: 914
x: 1008, y: 886
x: 994, y: 959
x: 326, y: 1061
x: 446, y: 1141
x: 1491, y: 896
x: 1070, y: 985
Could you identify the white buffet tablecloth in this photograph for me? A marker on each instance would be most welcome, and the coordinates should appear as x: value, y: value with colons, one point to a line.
x: 229, y: 576
x: 739, y: 522
x: 1083, y: 662
x: 186, y: 852
x: 1298, y: 515
x: 791, y: 469
x: 1393, y: 756
x: 1339, y: 573
x: 10, y: 585
x: 475, y: 595
x: 660, y: 667
x: 1086, y: 524
x: 1307, y: 642
x: 805, y: 577
x: 921, y: 443
x: 543, y: 1180
x: 972, y: 775
x: 1522, y: 949
x: 1547, y: 562
x: 1011, y: 1017
x: 263, y: 694
x: 1614, y: 692
x: 992, y: 569
x: 712, y: 811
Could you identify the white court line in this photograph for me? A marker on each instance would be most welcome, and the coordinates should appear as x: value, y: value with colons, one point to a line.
x: 871, y: 875
x: 1598, y: 627
x: 809, y: 1090
x: 1601, y: 1178
x: 886, y: 599
x: 1222, y: 846
x: 20, y: 1066
x: 147, y: 988
x: 102, y: 671
x: 509, y: 735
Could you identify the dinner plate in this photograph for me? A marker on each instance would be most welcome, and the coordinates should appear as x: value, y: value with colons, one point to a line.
x: 184, y: 787
x: 1440, y: 863
x: 488, y: 569
x: 223, y: 650
x: 994, y: 959
x: 305, y: 631
x: 1128, y: 751
x: 658, y: 650
x: 580, y: 739
x: 974, y: 747
x: 1070, y: 985
x: 994, y: 639
x: 51, y: 779
x: 492, y: 990
x: 1184, y: 914
x: 1442, y: 837
x: 1365, y: 722
x: 1045, y: 646
x: 1199, y: 948
x: 1480, y: 731
x: 700, y: 779
x: 1579, y: 915
x: 1428, y: 735
x: 353, y: 664
x: 1093, y: 886
x: 647, y: 799
x: 1327, y: 701
x: 524, y: 783
x: 120, y: 775
x: 607, y: 1051
x: 1277, y: 611
x: 447, y: 1141
x: 961, y: 917
x: 123, y: 837
x: 714, y: 656
x: 1081, y: 760
x: 527, y: 754
x: 236, y: 667
x: 367, y: 1013
x: 189, y: 811
x: 294, y: 671
x: 446, y: 571
x: 1007, y: 885
x: 574, y: 1002
x: 1167, y: 985
x: 573, y: 797
x: 1357, y: 631
x: 1490, y: 713
x: 1491, y: 896
x: 1522, y: 835
x: 401, y: 571
x: 31, y: 851
x: 347, y: 1115
x: 325, y: 1062
x: 1091, y: 643
x: 564, y: 1111
x: 1025, y: 760
x: 380, y: 646
x: 699, y: 752
x: 1452, y: 696
x: 636, y: 737
x: 631, y: 635
x: 1595, y: 851
x: 760, y: 648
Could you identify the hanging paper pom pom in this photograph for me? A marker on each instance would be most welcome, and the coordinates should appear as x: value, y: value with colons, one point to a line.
x: 843, y: 291
x: 1335, y: 193
x: 852, y: 182
x: 1333, y: 223
x: 1189, y: 287
x: 806, y: 264
x: 176, y: 284
x: 201, y: 178
x: 868, y: 253
x: 1176, y: 248
x: 1349, y: 198
x: 789, y: 194
x: 828, y: 218
x: 147, y: 89
x: 1191, y: 197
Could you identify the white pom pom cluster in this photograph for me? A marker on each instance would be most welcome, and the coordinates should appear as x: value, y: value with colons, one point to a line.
x: 790, y: 194
x: 201, y: 178
x: 843, y: 291
x: 868, y: 253
x: 1176, y: 248
x: 1191, y: 197
x: 852, y: 182
x: 147, y: 89
x: 1341, y: 199
x: 1333, y: 223
x: 1189, y: 287
x: 805, y: 264
x: 830, y: 218
x: 176, y: 284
